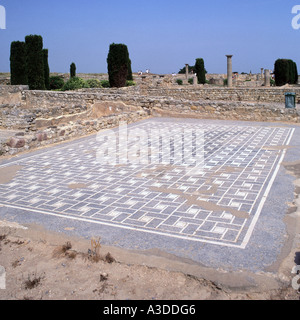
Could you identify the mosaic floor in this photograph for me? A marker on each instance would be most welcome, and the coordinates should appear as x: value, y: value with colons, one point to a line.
x: 187, y: 179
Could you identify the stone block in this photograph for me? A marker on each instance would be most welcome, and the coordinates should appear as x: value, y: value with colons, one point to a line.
x: 41, y: 136
x: 15, y: 142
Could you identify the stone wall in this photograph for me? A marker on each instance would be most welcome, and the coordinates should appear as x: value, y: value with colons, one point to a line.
x: 245, y: 111
x: 25, y: 140
x: 269, y: 95
x: 11, y: 95
x: 43, y: 117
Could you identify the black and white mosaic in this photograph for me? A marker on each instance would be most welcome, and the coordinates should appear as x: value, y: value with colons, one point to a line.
x: 186, y: 179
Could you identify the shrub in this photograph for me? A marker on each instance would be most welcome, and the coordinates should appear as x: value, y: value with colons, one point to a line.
x: 72, y: 70
x: 117, y: 65
x: 93, y: 83
x: 191, y: 81
x: 130, y: 83
x: 18, y: 73
x: 179, y: 82
x: 272, y: 82
x: 105, y: 84
x: 46, y: 69
x: 74, y: 84
x: 56, y: 83
x: 34, y: 62
x: 200, y: 70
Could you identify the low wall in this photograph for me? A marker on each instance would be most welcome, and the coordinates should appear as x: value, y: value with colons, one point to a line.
x: 40, y: 109
x: 44, y: 117
x: 23, y: 141
x: 270, y: 95
x: 11, y: 95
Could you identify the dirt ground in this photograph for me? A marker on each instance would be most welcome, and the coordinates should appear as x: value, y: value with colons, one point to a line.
x: 42, y: 265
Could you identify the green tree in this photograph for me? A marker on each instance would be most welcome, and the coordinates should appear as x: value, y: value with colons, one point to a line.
x: 285, y: 72
x: 291, y: 72
x: 18, y: 73
x: 117, y: 65
x: 200, y: 70
x: 73, y: 70
x: 46, y: 69
x: 34, y: 62
x: 295, y: 73
x: 129, y: 75
x: 190, y: 68
x: 281, y: 70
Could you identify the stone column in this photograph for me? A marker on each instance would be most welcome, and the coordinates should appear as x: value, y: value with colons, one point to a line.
x: 195, y: 80
x: 186, y: 71
x: 267, y: 78
x: 229, y: 70
x: 262, y: 73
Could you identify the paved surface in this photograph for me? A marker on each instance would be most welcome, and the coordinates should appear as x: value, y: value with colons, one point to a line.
x: 204, y: 190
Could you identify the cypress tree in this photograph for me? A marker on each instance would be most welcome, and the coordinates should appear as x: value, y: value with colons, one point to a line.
x: 46, y: 69
x: 291, y: 72
x: 73, y: 70
x: 18, y: 73
x: 281, y: 70
x: 34, y: 62
x: 285, y: 72
x: 129, y: 76
x: 117, y: 65
x: 295, y: 73
x: 200, y: 70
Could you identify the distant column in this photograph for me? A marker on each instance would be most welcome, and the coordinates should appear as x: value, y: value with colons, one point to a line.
x: 229, y: 70
x: 267, y: 78
x: 261, y: 73
x: 186, y: 71
x: 195, y: 80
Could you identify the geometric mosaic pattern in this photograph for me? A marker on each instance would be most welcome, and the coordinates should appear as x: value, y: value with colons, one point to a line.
x: 217, y: 201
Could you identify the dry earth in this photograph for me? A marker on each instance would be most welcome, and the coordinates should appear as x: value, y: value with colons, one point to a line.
x: 42, y: 265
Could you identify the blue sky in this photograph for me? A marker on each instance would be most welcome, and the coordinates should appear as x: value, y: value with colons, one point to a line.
x: 161, y: 35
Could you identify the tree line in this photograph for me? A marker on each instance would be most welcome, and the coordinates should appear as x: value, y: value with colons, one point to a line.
x: 29, y: 65
x: 285, y: 71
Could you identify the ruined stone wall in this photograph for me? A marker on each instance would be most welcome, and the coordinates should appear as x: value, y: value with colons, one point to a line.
x: 32, y: 110
x: 11, y: 95
x: 254, y: 94
x: 44, y: 117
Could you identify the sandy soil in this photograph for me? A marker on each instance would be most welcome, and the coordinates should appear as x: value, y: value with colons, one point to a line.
x: 41, y: 265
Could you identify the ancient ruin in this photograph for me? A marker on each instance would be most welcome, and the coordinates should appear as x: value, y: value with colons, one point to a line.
x: 36, y: 118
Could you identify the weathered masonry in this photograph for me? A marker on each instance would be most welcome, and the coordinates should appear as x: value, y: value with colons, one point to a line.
x: 42, y: 117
